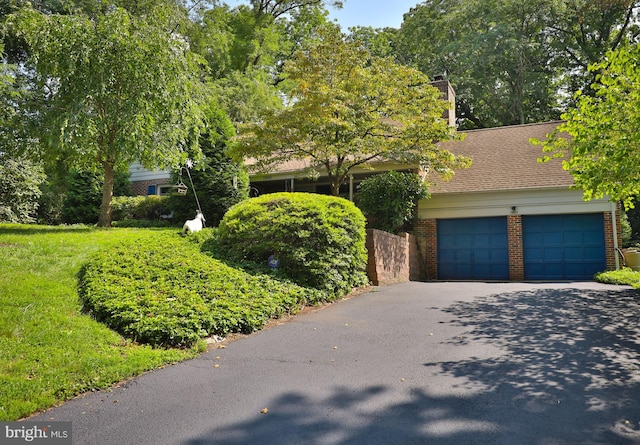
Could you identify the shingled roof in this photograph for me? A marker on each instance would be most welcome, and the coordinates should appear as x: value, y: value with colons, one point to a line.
x: 504, y: 159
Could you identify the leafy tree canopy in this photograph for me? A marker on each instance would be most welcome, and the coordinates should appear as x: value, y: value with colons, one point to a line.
x: 513, y: 62
x: 349, y: 109
x: 600, y: 138
x: 113, y: 89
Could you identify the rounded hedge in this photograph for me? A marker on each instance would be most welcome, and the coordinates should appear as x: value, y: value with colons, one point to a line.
x: 318, y: 240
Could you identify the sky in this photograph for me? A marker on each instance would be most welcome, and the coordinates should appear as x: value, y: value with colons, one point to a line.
x: 375, y: 13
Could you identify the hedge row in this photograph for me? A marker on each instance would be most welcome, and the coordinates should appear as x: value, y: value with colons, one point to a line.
x: 160, y: 289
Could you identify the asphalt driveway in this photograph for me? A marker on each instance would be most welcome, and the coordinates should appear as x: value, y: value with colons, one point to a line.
x: 415, y: 363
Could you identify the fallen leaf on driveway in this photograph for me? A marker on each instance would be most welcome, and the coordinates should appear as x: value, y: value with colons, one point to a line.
x: 264, y: 410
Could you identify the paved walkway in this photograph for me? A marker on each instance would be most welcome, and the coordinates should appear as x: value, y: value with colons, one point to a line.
x: 415, y: 363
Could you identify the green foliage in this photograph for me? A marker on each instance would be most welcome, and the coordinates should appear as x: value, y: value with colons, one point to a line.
x: 349, y: 109
x: 513, y: 62
x: 623, y: 276
x: 20, y: 181
x: 496, y: 58
x: 162, y: 290
x: 83, y: 195
x: 319, y: 240
x: 600, y: 138
x: 389, y: 199
x: 219, y: 181
x: 126, y: 89
x: 633, y: 218
x: 139, y: 207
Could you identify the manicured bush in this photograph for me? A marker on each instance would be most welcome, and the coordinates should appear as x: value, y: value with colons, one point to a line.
x: 622, y: 276
x: 161, y: 289
x: 319, y: 240
x: 389, y: 199
x: 139, y: 207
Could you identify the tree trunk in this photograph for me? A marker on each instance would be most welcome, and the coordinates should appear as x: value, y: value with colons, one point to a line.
x: 107, y: 195
x: 335, y: 186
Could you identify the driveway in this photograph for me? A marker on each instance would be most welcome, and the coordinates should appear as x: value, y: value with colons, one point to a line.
x: 414, y: 363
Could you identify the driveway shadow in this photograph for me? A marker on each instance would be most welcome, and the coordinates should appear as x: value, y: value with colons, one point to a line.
x: 568, y: 373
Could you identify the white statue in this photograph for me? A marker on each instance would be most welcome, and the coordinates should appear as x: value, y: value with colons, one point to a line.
x: 194, y: 225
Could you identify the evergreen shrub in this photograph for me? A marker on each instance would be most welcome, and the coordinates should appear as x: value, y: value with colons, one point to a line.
x: 318, y: 240
x: 389, y: 199
x: 160, y: 289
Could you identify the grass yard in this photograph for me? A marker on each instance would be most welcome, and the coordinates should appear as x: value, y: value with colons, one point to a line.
x: 49, y: 350
x: 152, y: 295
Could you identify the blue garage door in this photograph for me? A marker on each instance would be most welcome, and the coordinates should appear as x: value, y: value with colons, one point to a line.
x: 473, y: 249
x: 563, y: 247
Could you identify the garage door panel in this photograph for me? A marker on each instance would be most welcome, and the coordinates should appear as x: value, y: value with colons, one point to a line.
x: 473, y: 249
x: 575, y: 254
x: 552, y: 238
x: 561, y: 247
x: 575, y: 238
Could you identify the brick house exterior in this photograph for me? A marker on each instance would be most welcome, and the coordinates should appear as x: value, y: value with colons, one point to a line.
x: 506, y: 182
x: 539, y: 228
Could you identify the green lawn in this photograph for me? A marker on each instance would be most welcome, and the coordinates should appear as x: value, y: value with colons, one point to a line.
x: 49, y: 350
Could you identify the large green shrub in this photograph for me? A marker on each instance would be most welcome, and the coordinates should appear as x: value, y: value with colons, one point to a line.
x: 20, y: 181
x: 219, y: 181
x: 162, y: 290
x: 319, y: 240
x: 389, y: 199
x: 139, y: 207
x: 83, y: 195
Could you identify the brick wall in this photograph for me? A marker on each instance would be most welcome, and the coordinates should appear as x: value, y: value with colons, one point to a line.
x: 516, y: 256
x: 392, y: 258
x: 608, y: 236
x: 140, y: 188
x: 427, y: 240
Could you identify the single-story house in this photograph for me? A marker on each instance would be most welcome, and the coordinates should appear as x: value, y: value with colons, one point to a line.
x: 507, y: 217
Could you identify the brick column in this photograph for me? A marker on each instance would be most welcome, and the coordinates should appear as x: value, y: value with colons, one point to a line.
x: 516, y: 256
x: 608, y: 237
x: 426, y: 234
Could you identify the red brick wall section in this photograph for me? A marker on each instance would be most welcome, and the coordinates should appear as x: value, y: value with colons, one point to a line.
x: 140, y: 188
x: 426, y: 232
x: 516, y: 256
x: 392, y: 258
x: 608, y: 237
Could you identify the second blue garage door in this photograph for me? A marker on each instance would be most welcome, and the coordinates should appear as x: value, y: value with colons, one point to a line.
x: 563, y: 247
x: 473, y: 249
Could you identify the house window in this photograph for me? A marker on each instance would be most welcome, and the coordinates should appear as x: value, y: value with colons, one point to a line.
x: 166, y: 189
x: 151, y: 190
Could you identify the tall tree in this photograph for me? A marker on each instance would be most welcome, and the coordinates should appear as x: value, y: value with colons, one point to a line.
x: 492, y: 51
x: 581, y: 32
x: 513, y: 61
x: 246, y: 47
x: 602, y: 149
x: 348, y: 109
x: 115, y: 88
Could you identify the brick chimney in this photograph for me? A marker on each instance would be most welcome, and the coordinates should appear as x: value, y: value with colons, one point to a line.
x: 447, y: 93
